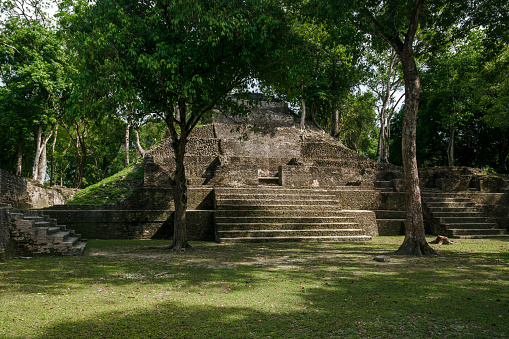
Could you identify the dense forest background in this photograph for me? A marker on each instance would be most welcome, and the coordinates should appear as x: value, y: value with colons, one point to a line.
x: 63, y: 124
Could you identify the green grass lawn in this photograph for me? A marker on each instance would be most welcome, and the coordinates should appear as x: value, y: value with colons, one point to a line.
x: 137, y: 289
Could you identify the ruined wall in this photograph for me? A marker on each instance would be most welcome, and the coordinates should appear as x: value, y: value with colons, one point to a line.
x: 4, y: 233
x: 26, y: 193
x: 461, y: 179
x: 101, y: 223
x: 201, y: 161
x: 147, y: 214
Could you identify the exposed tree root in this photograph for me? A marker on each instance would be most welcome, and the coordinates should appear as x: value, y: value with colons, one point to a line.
x: 418, y: 248
x: 180, y: 247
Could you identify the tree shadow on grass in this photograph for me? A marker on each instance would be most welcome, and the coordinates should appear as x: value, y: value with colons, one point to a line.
x: 343, y: 306
x: 323, y: 290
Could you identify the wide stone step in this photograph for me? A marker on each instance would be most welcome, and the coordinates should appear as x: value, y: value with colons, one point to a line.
x: 454, y: 209
x: 274, y: 212
x: 452, y: 232
x: 273, y: 196
x: 42, y: 224
x: 296, y: 239
x: 267, y: 208
x: 433, y: 205
x: 256, y: 202
x: 272, y: 190
x: 16, y: 216
x: 78, y: 248
x: 236, y: 226
x: 490, y: 225
x: 55, y: 229
x: 60, y: 236
x: 281, y: 219
x: 288, y: 233
x: 432, y: 199
x: 35, y: 218
x: 465, y: 220
x: 483, y: 236
x: 71, y: 241
x: 455, y: 213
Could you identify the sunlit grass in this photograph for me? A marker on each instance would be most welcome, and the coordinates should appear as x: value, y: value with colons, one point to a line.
x: 139, y: 289
x: 111, y: 190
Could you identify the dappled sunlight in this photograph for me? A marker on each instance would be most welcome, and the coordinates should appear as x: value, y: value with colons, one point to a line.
x: 257, y: 290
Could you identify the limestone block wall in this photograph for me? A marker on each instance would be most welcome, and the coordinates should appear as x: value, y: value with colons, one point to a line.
x: 461, y: 179
x: 26, y: 193
x: 273, y: 112
x: 4, y: 234
x: 102, y: 223
x: 495, y: 205
x: 268, y: 147
x: 147, y: 214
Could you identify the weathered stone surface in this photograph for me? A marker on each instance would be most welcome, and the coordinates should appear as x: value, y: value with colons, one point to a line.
x: 269, y: 151
x: 5, y: 239
x: 382, y: 258
x: 147, y: 214
x: 133, y: 224
x: 26, y: 193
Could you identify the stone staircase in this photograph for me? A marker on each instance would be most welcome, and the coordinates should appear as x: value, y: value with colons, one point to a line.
x: 35, y: 234
x: 281, y: 214
x: 455, y: 216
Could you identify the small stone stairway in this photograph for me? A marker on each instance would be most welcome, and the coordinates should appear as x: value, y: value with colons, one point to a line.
x: 455, y: 216
x: 36, y: 234
x: 281, y: 214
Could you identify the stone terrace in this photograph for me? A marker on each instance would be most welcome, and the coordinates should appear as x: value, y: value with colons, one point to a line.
x: 269, y: 179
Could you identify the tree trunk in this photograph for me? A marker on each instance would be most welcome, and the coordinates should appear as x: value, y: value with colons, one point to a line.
x: 380, y: 148
x: 43, y: 165
x: 127, y: 144
x: 35, y: 167
x: 52, y: 170
x: 303, y: 116
x: 40, y: 161
x: 138, y: 144
x: 334, y: 130
x: 179, y: 185
x: 19, y: 162
x: 450, y: 147
x: 387, y: 137
x: 415, y: 241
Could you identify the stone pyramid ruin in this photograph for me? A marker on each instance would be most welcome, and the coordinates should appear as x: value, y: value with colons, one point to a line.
x: 261, y: 178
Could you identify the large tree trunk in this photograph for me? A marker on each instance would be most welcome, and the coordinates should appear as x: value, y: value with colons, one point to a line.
x: 387, y: 138
x: 180, y: 199
x: 19, y: 158
x: 138, y: 144
x: 38, y: 149
x: 380, y: 148
x: 334, y: 129
x: 450, y: 147
x: 303, y: 116
x: 179, y: 185
x: 128, y: 126
x: 43, y: 165
x: 415, y: 241
x: 52, y: 169
x: 40, y: 161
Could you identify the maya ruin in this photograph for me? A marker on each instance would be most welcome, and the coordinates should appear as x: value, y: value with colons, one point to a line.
x: 278, y: 184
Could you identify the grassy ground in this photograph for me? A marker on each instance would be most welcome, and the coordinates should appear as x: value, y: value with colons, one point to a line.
x: 136, y: 289
x: 111, y: 190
